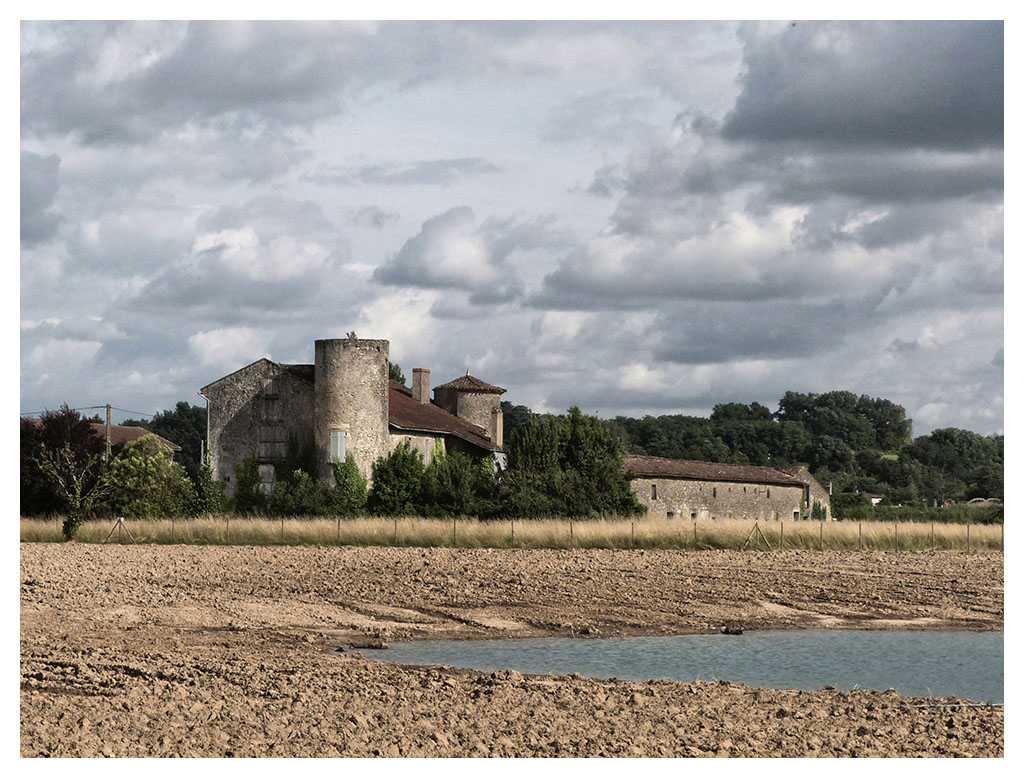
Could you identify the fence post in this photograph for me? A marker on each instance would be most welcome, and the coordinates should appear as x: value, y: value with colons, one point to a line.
x: 570, y: 534
x: 694, y: 534
x: 821, y: 536
x: 227, y: 532
x: 513, y: 523
x: 933, y: 537
x: 896, y: 529
x: 338, y: 538
x: 172, y: 529
x: 782, y: 535
x: 282, y: 529
x: 632, y: 534
x: 453, y: 532
x: 968, y: 537
x: 394, y: 540
x: 860, y: 535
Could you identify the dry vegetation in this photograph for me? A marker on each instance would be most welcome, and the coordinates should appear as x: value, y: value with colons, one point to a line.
x: 553, y: 533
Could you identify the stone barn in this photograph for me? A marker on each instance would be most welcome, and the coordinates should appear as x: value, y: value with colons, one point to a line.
x: 710, y: 490
x: 343, y: 404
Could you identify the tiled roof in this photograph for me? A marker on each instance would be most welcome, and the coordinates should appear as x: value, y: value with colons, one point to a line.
x: 661, y: 467
x: 408, y: 414
x: 121, y: 435
x: 468, y: 383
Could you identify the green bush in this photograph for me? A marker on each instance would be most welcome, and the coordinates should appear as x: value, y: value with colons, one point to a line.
x: 457, y: 485
x: 144, y: 480
x: 248, y: 498
x: 398, y: 483
x: 300, y: 495
x: 209, y: 491
x: 349, y: 497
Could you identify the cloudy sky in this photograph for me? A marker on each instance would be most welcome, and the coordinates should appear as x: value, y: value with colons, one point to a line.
x: 633, y: 218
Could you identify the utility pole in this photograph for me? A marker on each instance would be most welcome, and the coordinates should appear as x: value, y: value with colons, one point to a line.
x: 107, y: 460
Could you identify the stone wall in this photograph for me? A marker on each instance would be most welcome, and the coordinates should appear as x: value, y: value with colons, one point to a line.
x: 425, y: 443
x: 678, y: 497
x: 351, y: 396
x: 257, y: 410
x: 475, y: 407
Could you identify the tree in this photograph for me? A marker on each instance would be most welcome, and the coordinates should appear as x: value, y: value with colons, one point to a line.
x: 398, y: 483
x: 740, y: 412
x: 61, y: 461
x: 566, y: 465
x: 144, y: 480
x: 185, y: 425
x: 79, y: 483
x: 395, y: 373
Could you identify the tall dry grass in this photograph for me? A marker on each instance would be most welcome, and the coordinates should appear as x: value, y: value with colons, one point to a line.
x: 543, y: 533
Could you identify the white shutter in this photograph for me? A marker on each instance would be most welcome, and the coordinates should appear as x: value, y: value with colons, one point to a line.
x: 337, y: 452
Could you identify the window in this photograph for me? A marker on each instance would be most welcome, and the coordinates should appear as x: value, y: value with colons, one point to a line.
x: 337, y: 453
x: 654, y: 491
x: 714, y: 491
x: 767, y: 493
x: 426, y: 451
x: 272, y: 442
x: 270, y: 389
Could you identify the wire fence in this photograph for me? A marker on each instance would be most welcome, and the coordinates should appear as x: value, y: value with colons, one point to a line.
x: 690, y: 535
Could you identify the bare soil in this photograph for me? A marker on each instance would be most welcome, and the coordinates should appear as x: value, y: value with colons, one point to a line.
x: 232, y: 651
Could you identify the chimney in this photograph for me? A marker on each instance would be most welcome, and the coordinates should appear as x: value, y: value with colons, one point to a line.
x: 497, y: 428
x: 421, y: 384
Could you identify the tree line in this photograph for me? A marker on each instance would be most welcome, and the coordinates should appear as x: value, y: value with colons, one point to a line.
x: 858, y: 444
x: 556, y: 465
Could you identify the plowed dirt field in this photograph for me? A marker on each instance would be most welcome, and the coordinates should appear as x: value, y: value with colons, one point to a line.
x: 229, y: 651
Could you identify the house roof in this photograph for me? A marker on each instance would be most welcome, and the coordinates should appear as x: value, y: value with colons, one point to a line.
x: 409, y: 414
x: 662, y: 467
x: 121, y: 435
x: 468, y: 383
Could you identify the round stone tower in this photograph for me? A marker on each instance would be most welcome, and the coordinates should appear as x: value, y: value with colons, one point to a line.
x: 350, y: 402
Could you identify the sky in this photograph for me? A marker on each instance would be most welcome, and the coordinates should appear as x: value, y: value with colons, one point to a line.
x: 635, y: 218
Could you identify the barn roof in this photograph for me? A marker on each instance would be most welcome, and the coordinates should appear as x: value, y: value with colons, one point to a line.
x: 662, y: 467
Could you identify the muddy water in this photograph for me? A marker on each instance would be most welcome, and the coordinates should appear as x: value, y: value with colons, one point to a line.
x: 933, y: 663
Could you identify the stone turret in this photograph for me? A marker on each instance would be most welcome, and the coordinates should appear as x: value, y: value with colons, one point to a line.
x: 350, y: 402
x: 476, y: 401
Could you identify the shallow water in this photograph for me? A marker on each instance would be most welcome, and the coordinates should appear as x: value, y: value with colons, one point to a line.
x: 939, y: 664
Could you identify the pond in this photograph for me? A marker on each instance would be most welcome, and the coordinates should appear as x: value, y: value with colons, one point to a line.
x: 925, y: 663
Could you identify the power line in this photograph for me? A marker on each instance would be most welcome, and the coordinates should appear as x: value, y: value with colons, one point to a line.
x: 92, y: 408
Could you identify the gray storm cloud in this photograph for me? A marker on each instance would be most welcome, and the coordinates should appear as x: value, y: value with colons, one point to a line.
x: 644, y: 216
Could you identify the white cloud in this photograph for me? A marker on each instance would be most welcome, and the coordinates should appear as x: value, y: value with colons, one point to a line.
x: 229, y: 348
